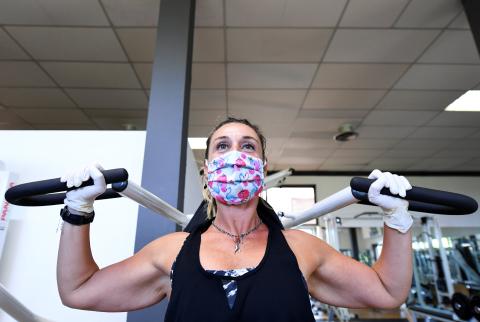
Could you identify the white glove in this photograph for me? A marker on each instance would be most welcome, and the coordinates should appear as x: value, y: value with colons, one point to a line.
x: 82, y: 199
x: 395, y: 210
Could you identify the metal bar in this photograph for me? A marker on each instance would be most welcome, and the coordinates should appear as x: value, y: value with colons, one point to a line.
x: 154, y: 203
x: 16, y: 309
x: 277, y: 178
x: 334, y: 202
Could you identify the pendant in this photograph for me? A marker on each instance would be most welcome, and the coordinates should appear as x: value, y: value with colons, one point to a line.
x: 237, y: 245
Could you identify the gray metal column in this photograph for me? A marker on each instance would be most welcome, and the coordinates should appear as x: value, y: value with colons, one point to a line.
x: 167, y: 126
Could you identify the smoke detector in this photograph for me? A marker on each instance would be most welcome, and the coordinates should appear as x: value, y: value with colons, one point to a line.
x: 345, y: 133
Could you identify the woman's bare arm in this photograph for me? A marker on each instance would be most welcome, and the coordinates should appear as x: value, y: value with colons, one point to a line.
x: 131, y: 284
x: 342, y: 281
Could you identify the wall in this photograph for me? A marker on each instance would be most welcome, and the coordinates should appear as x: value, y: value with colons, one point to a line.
x: 27, y: 268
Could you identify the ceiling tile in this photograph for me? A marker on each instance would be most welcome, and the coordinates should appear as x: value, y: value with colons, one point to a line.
x: 422, y: 144
x: 296, y: 161
x: 267, y: 114
x: 409, y: 153
x: 34, y: 97
x: 270, y: 129
x: 9, y: 117
x: 199, y: 131
x: 206, y: 117
x: 276, y: 45
x: 310, y: 153
x: 115, y: 113
x: 385, y: 132
x: 16, y: 126
x: 321, y: 124
x: 139, y: 124
x: 144, y: 72
x: 52, y: 12
x: 270, y: 75
x: 132, y: 13
x: 320, y: 113
x: 66, y: 126
x: 109, y: 98
x: 453, y: 46
x: 466, y: 143
x: 359, y: 76
x: 208, y: 99
x: 139, y: 43
x: 9, y: 49
x: 26, y: 74
x: 311, y: 143
x: 460, y: 119
x: 418, y: 100
x: 399, y: 118
x: 363, y: 143
x: 209, y: 13
x: 80, y: 44
x: 332, y: 166
x: 443, y: 132
x: 342, y: 99
x: 429, y: 14
x: 308, y: 166
x: 453, y: 152
x: 378, y: 45
x: 460, y: 22
x: 208, y: 45
x: 91, y: 75
x: 52, y: 115
x: 360, y: 154
x: 288, y: 13
x: 314, y: 135
x: 372, y: 13
x: 446, y: 77
x: 281, y: 99
x: 392, y: 164
x: 208, y: 76
x: 437, y: 164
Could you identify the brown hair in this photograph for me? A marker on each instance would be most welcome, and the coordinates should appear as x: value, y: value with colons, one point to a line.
x: 212, y: 206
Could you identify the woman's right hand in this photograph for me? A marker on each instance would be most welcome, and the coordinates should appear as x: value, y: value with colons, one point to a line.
x: 82, y: 199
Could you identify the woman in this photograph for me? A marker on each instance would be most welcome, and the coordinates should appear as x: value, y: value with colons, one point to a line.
x: 239, y: 265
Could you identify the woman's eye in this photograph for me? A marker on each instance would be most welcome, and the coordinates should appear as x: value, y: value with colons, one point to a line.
x: 222, y: 146
x: 249, y: 146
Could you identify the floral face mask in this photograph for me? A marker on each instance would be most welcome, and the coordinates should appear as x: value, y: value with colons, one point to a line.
x: 235, y: 177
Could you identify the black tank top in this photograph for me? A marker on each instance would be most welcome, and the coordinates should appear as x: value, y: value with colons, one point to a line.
x: 273, y: 291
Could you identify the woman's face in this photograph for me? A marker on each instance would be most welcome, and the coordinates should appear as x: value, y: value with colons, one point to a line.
x: 235, y: 137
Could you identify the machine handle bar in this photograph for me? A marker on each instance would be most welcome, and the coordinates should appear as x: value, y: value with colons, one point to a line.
x: 421, y: 199
x: 52, y: 191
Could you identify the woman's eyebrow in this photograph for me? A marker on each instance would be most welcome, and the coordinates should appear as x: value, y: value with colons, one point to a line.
x: 250, y: 138
x: 221, y: 138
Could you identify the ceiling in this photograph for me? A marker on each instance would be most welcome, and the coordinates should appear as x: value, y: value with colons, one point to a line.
x: 297, y: 68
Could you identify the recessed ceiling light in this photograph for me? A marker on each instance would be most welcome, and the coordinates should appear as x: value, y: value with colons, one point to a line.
x: 468, y: 102
x: 198, y: 143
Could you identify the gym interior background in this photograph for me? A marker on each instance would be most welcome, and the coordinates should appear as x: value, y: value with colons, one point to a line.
x: 97, y: 74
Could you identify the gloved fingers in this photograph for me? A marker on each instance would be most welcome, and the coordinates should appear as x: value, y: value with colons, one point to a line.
x: 405, y: 183
x: 98, y: 179
x: 392, y: 183
x: 375, y: 174
x: 376, y: 187
x: 402, y: 192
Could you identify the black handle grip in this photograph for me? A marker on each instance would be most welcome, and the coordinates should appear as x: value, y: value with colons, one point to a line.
x: 421, y: 199
x: 52, y: 191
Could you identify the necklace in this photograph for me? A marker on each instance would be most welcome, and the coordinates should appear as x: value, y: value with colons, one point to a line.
x: 238, y: 239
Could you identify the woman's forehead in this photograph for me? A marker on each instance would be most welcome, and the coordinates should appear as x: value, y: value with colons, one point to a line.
x: 234, y: 130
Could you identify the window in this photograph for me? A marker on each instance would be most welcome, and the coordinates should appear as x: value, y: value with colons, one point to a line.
x: 292, y: 199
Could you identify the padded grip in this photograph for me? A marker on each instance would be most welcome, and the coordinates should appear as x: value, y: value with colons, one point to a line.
x: 52, y: 191
x: 421, y: 199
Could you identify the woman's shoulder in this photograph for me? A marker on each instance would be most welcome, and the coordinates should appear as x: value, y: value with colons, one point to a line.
x: 166, y: 248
